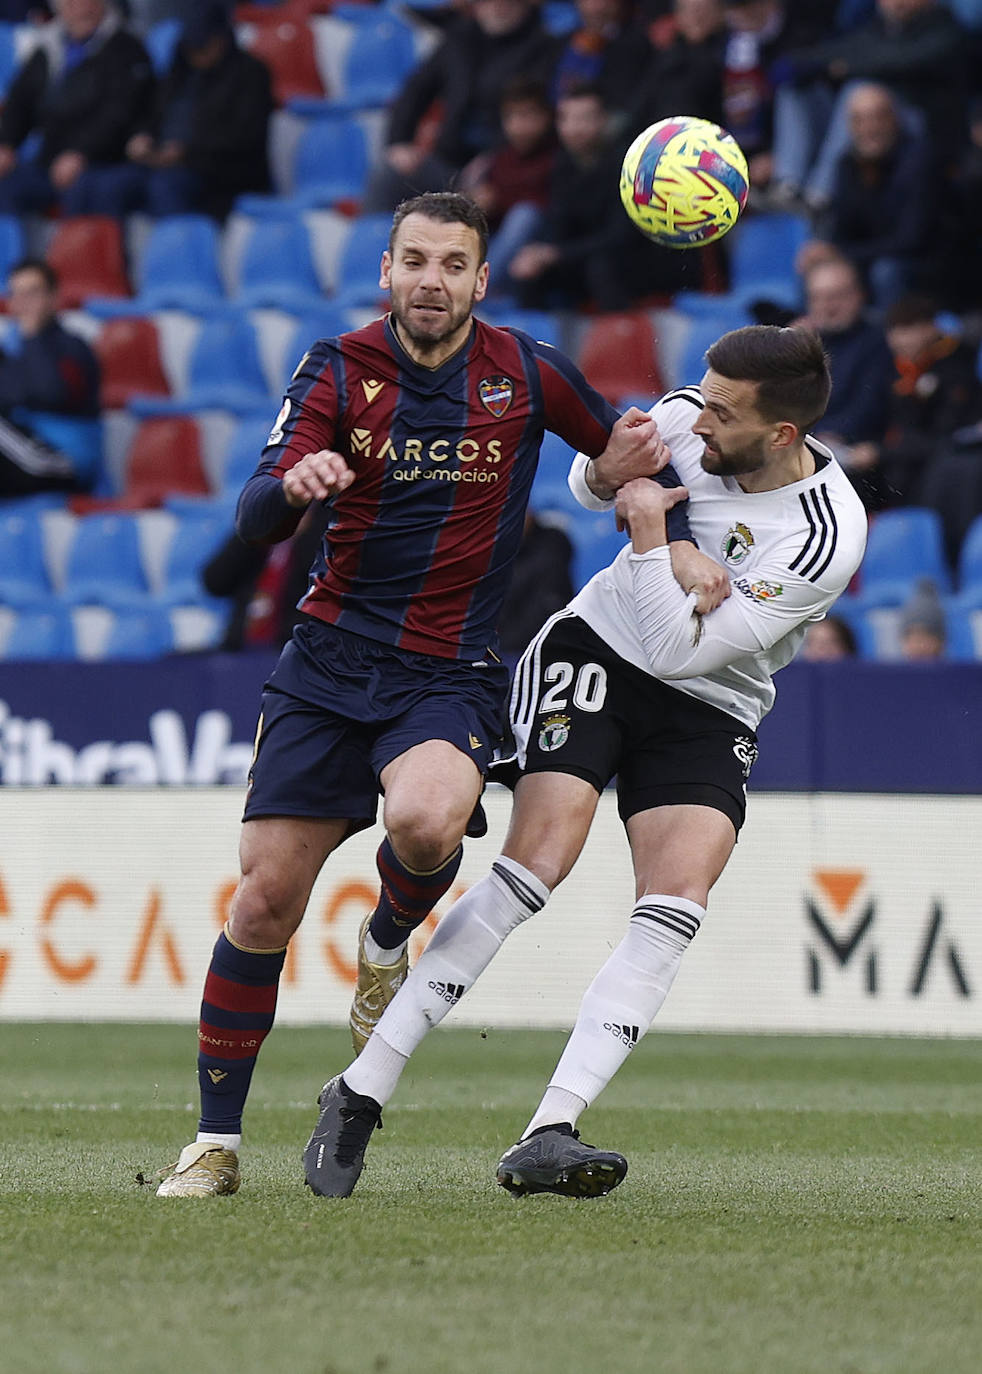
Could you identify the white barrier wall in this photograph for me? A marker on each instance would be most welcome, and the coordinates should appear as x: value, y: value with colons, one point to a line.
x: 837, y: 913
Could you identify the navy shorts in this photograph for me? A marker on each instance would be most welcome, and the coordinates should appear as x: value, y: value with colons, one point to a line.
x: 339, y: 707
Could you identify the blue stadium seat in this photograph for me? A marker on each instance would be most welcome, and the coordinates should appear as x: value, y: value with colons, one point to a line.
x: 904, y: 546
x: 23, y: 573
x: 277, y: 266
x: 8, y: 56
x: 702, y: 332
x: 160, y: 41
x: 964, y: 643
x: 543, y: 325
x: 379, y: 58
x: 360, y: 258
x: 763, y: 249
x: 970, y: 557
x: 224, y: 372
x: 104, y: 565
x: 139, y: 635
x: 11, y: 242
x: 550, y: 491
x: 195, y: 540
x: 243, y: 451
x: 41, y: 634
x: 178, y: 270
x: 330, y: 164
x: 596, y: 542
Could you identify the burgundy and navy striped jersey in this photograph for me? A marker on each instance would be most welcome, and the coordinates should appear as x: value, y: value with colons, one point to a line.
x: 417, y: 551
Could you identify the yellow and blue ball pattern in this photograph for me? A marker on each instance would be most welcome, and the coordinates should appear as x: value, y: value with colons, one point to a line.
x: 684, y: 182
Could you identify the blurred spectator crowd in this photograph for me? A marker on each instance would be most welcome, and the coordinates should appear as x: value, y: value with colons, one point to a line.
x: 192, y: 191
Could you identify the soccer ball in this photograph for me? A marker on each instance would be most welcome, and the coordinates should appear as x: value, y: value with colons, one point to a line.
x: 684, y: 182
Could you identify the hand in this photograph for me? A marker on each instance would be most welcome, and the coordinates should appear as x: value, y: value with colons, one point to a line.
x: 641, y: 508
x: 316, y: 477
x: 139, y: 148
x: 695, y: 572
x: 169, y: 154
x: 634, y: 449
x: 532, y: 260
x: 66, y: 169
x: 403, y: 158
x: 8, y: 159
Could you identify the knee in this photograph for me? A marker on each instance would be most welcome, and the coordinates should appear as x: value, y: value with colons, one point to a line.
x: 267, y: 909
x: 423, y: 838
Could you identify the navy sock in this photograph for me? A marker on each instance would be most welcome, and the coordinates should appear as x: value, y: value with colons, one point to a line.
x: 407, y: 898
x: 236, y: 1016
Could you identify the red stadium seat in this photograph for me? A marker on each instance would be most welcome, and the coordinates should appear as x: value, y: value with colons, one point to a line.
x: 164, y: 459
x: 619, y: 357
x: 87, y: 253
x: 287, y: 48
x: 129, y: 355
x: 299, y: 11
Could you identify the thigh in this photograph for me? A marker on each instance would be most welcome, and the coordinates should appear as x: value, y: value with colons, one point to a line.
x: 550, y: 821
x: 680, y: 850
x: 310, y: 763
x: 434, y: 781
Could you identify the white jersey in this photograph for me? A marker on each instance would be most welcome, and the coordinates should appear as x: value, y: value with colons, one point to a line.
x: 789, y: 552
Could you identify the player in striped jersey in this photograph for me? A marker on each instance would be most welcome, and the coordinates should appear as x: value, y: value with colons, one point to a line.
x: 631, y: 680
x: 421, y: 431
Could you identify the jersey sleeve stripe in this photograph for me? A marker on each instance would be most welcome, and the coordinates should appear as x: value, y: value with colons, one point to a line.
x: 691, y: 394
x: 812, y: 531
x: 825, y: 534
x: 834, y: 527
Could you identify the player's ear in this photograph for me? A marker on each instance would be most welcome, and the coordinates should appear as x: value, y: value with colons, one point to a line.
x: 786, y: 434
x: 385, y: 271
x: 481, y: 285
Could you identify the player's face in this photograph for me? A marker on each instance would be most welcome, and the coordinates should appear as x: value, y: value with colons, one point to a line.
x: 737, y: 439
x: 434, y: 277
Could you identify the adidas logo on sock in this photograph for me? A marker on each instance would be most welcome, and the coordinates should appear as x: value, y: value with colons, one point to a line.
x: 627, y: 1035
x: 450, y: 992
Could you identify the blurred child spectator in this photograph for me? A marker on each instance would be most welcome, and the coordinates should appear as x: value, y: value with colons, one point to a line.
x: 873, y: 217
x: 828, y: 640
x: 50, y: 438
x: 511, y: 183
x: 859, y: 357
x: 485, y: 46
x: 205, y: 143
x: 83, y: 91
x: 923, y: 630
x: 937, y: 392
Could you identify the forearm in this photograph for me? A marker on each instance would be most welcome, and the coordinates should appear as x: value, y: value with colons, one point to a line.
x: 677, y: 642
x: 264, y: 516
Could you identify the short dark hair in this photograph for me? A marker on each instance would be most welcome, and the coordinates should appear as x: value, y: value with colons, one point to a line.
x: 448, y: 207
x: 522, y: 90
x: 911, y: 309
x: 788, y: 365
x: 36, y: 265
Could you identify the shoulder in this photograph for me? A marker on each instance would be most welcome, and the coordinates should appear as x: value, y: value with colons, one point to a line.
x: 676, y: 412
x: 830, y: 539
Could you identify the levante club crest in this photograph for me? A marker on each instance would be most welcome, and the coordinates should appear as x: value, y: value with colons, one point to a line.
x: 496, y: 394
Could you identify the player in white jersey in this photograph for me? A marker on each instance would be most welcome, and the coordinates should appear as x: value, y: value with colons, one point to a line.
x: 630, y: 680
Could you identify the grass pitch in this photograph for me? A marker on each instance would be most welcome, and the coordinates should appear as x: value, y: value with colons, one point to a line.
x: 792, y: 1205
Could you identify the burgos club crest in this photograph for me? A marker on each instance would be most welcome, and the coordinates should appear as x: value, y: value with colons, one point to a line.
x: 554, y: 733
x: 497, y: 394
x: 736, y: 545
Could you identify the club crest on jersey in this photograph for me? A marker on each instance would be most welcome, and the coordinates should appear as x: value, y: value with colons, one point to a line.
x: 554, y: 733
x: 736, y: 545
x: 496, y: 394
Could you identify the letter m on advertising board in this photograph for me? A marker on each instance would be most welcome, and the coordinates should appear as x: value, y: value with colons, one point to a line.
x: 836, y: 944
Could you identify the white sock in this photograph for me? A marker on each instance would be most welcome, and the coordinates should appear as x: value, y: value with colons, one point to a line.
x: 462, y: 946
x: 557, y: 1105
x: 621, y: 1003
x: 226, y: 1142
x: 378, y: 954
x: 376, y: 1071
